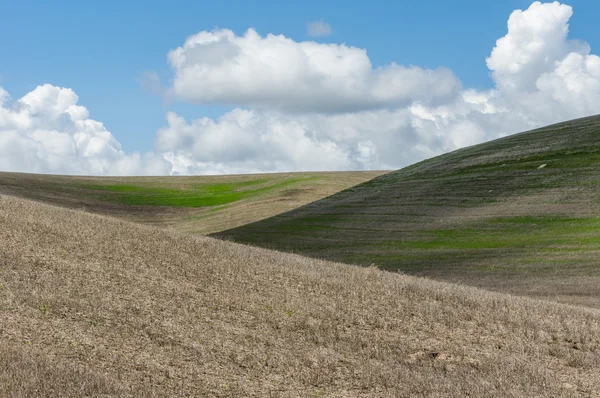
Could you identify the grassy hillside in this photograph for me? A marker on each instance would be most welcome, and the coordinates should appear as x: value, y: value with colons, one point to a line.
x: 190, y: 204
x: 94, y: 306
x: 520, y: 214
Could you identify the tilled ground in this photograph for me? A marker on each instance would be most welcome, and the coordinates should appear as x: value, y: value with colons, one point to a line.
x: 94, y: 306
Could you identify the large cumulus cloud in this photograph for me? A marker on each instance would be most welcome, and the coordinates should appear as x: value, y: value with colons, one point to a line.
x: 311, y: 106
x: 277, y: 72
x: 540, y: 72
x: 47, y: 132
x: 337, y: 112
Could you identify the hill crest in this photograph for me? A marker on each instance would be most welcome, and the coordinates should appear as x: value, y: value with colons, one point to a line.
x: 518, y: 214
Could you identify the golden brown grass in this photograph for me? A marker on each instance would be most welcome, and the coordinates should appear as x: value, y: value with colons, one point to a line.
x: 93, y: 306
x: 289, y: 191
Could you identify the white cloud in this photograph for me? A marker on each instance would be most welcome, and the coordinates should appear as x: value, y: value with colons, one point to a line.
x: 255, y: 140
x: 536, y: 40
x: 318, y: 29
x: 249, y: 140
x: 541, y: 77
x: 47, y: 132
x: 315, y: 106
x: 574, y: 84
x: 4, y: 96
x: 277, y: 72
x: 542, y: 74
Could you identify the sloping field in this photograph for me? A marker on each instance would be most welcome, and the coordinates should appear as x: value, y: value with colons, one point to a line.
x: 200, y: 205
x: 94, y: 306
x: 520, y: 214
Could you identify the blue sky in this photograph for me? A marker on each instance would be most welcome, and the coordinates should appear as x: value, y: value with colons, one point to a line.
x: 101, y: 49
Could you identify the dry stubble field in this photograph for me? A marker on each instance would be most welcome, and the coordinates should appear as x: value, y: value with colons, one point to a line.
x: 94, y: 306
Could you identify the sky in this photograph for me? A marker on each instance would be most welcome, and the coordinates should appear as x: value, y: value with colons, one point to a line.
x: 188, y: 87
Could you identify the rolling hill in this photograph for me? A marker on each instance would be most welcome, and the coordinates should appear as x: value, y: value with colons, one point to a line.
x: 199, y: 205
x: 520, y: 214
x: 95, y: 306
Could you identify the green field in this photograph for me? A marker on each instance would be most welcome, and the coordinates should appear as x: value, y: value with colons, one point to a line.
x: 519, y: 214
x: 205, y: 195
x: 200, y: 205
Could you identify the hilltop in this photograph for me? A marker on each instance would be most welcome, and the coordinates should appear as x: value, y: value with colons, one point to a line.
x: 199, y: 204
x: 520, y: 214
x: 95, y: 306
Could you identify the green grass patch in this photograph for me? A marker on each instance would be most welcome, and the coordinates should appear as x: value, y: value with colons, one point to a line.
x: 511, y: 233
x: 206, y: 195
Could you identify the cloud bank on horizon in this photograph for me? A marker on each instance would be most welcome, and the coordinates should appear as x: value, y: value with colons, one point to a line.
x: 312, y: 106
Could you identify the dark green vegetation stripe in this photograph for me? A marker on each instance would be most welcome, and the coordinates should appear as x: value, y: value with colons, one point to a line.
x: 524, y: 203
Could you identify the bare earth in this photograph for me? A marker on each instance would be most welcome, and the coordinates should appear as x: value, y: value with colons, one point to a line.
x: 94, y: 306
